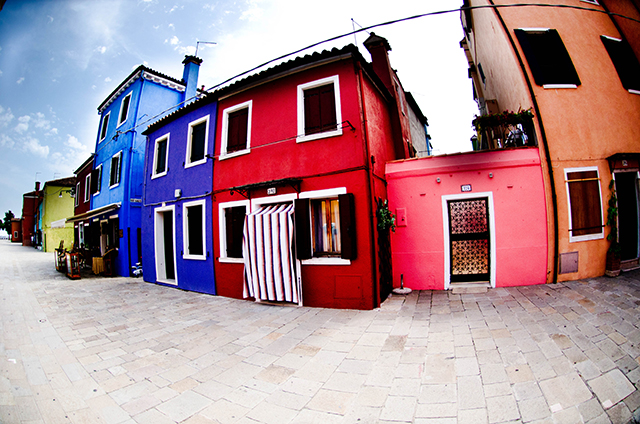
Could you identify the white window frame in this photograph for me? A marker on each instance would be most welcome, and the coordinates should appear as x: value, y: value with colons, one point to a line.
x: 155, y: 157
x: 120, y: 120
x: 591, y: 2
x: 447, y: 241
x: 87, y: 188
x: 119, y: 155
x: 331, y: 193
x: 225, y: 130
x: 301, y: 138
x: 99, y: 169
x: 185, y: 230
x: 222, y: 227
x: 104, y: 124
x: 187, y: 161
x: 77, y: 197
x: 159, y: 248
x: 586, y: 237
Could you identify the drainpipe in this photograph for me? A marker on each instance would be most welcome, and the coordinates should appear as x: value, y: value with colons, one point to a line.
x: 545, y: 144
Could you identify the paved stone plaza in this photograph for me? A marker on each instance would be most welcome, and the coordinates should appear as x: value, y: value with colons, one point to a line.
x: 118, y: 350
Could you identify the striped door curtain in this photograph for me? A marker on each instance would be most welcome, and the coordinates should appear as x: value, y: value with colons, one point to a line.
x: 269, y: 268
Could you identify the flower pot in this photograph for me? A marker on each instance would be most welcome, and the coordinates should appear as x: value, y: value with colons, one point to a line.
x: 612, y: 268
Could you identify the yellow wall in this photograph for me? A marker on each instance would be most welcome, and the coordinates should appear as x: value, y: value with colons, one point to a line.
x: 583, y: 126
x: 56, y: 208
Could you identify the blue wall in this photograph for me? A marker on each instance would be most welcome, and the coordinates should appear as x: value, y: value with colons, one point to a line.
x: 147, y: 100
x: 195, y: 182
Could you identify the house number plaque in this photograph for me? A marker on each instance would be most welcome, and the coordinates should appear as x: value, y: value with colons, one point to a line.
x: 271, y: 190
x: 465, y: 188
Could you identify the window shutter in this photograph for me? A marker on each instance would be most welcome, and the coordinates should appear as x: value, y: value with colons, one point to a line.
x: 586, y: 210
x: 198, y: 133
x: 237, y: 133
x: 547, y: 57
x: 348, y: 226
x: 95, y: 175
x: 625, y: 62
x: 319, y: 109
x: 303, y: 229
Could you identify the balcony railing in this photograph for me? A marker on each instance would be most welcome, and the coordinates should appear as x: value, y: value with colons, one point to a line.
x: 504, y: 130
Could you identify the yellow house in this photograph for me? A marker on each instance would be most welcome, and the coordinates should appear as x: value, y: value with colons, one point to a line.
x: 58, y: 205
x: 575, y: 66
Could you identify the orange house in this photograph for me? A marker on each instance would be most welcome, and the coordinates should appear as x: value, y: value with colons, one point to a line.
x: 574, y: 64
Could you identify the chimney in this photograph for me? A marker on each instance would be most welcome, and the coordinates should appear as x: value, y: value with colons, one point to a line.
x: 37, y: 185
x: 378, y: 48
x: 190, y: 76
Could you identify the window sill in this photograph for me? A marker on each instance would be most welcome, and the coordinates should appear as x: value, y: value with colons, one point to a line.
x: 196, y: 163
x: 303, y: 138
x: 555, y: 86
x: 231, y: 260
x: 588, y: 237
x: 162, y: 174
x: 632, y: 91
x: 114, y: 186
x: 195, y: 257
x: 234, y: 154
x: 326, y: 261
x: 170, y: 282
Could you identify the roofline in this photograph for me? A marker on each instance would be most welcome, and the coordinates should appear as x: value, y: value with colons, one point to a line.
x: 61, y: 182
x: 84, y: 164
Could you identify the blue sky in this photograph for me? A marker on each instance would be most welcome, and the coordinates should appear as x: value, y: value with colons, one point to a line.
x: 59, y: 59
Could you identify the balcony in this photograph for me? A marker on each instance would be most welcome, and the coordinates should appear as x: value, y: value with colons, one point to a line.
x: 504, y: 130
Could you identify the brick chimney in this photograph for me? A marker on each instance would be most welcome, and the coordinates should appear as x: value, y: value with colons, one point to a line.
x: 190, y: 76
x: 378, y: 48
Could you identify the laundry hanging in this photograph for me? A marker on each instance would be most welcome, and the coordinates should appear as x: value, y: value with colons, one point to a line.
x: 267, y: 246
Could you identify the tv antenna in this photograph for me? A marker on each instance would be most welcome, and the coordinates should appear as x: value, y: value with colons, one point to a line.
x: 202, y: 42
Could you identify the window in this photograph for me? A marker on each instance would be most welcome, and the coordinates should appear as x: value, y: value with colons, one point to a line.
x: 160, y: 156
x: 329, y: 236
x: 114, y: 176
x: 193, y: 230
x: 77, y: 199
x: 81, y: 234
x: 231, y: 224
x: 197, y: 142
x: 319, y: 113
x: 124, y: 109
x: 625, y: 62
x: 87, y: 188
x: 548, y: 59
x: 585, y: 204
x: 96, y: 180
x: 105, y: 124
x: 236, y: 130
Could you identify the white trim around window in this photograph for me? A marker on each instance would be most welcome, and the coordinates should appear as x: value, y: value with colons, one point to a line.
x: 104, y: 126
x: 77, y: 198
x: 119, y: 171
x: 99, y: 182
x: 187, y: 161
x: 587, y: 237
x: 313, y: 84
x: 324, y: 194
x: 222, y: 227
x: 185, y: 229
x: 124, y: 109
x: 155, y: 157
x: 159, y: 245
x: 87, y: 188
x: 225, y: 130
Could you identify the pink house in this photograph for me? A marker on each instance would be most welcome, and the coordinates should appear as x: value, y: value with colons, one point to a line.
x: 470, y: 218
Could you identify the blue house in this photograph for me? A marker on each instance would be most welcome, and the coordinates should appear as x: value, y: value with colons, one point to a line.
x: 118, y: 175
x: 176, y: 209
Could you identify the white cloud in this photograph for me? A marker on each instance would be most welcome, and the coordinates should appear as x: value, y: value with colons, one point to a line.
x: 20, y: 80
x: 5, y: 117
x: 107, y: 79
x: 174, y: 40
x: 190, y: 50
x: 101, y: 49
x: 23, y: 125
x: 172, y: 26
x: 41, y: 122
x: 0, y: 73
x: 172, y: 9
x: 6, y: 141
x: 32, y: 145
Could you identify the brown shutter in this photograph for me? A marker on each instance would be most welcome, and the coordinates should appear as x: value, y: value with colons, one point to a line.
x: 319, y: 109
x: 303, y: 229
x: 348, y: 226
x: 237, y: 133
x: 586, y: 210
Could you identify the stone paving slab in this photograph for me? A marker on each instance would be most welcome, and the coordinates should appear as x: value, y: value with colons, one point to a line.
x: 122, y: 351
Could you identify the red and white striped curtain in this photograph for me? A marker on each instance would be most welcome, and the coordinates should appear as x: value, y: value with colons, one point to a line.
x: 267, y: 246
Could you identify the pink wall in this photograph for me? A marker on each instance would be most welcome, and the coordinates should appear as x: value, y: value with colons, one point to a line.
x: 519, y: 214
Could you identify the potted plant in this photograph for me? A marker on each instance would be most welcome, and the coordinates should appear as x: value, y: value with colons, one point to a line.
x: 612, y: 268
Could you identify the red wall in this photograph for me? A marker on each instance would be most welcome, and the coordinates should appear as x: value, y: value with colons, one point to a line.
x: 520, y: 231
x: 325, y: 163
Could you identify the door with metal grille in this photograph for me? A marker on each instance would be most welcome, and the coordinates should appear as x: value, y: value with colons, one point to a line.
x: 469, y: 239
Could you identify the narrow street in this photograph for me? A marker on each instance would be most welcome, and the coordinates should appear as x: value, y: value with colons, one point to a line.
x: 122, y: 351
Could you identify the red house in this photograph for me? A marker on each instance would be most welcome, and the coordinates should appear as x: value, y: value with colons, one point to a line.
x: 30, y: 204
x: 300, y: 169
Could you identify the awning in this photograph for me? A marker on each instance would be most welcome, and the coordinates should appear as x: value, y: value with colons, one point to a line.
x: 269, y: 262
x: 94, y: 212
